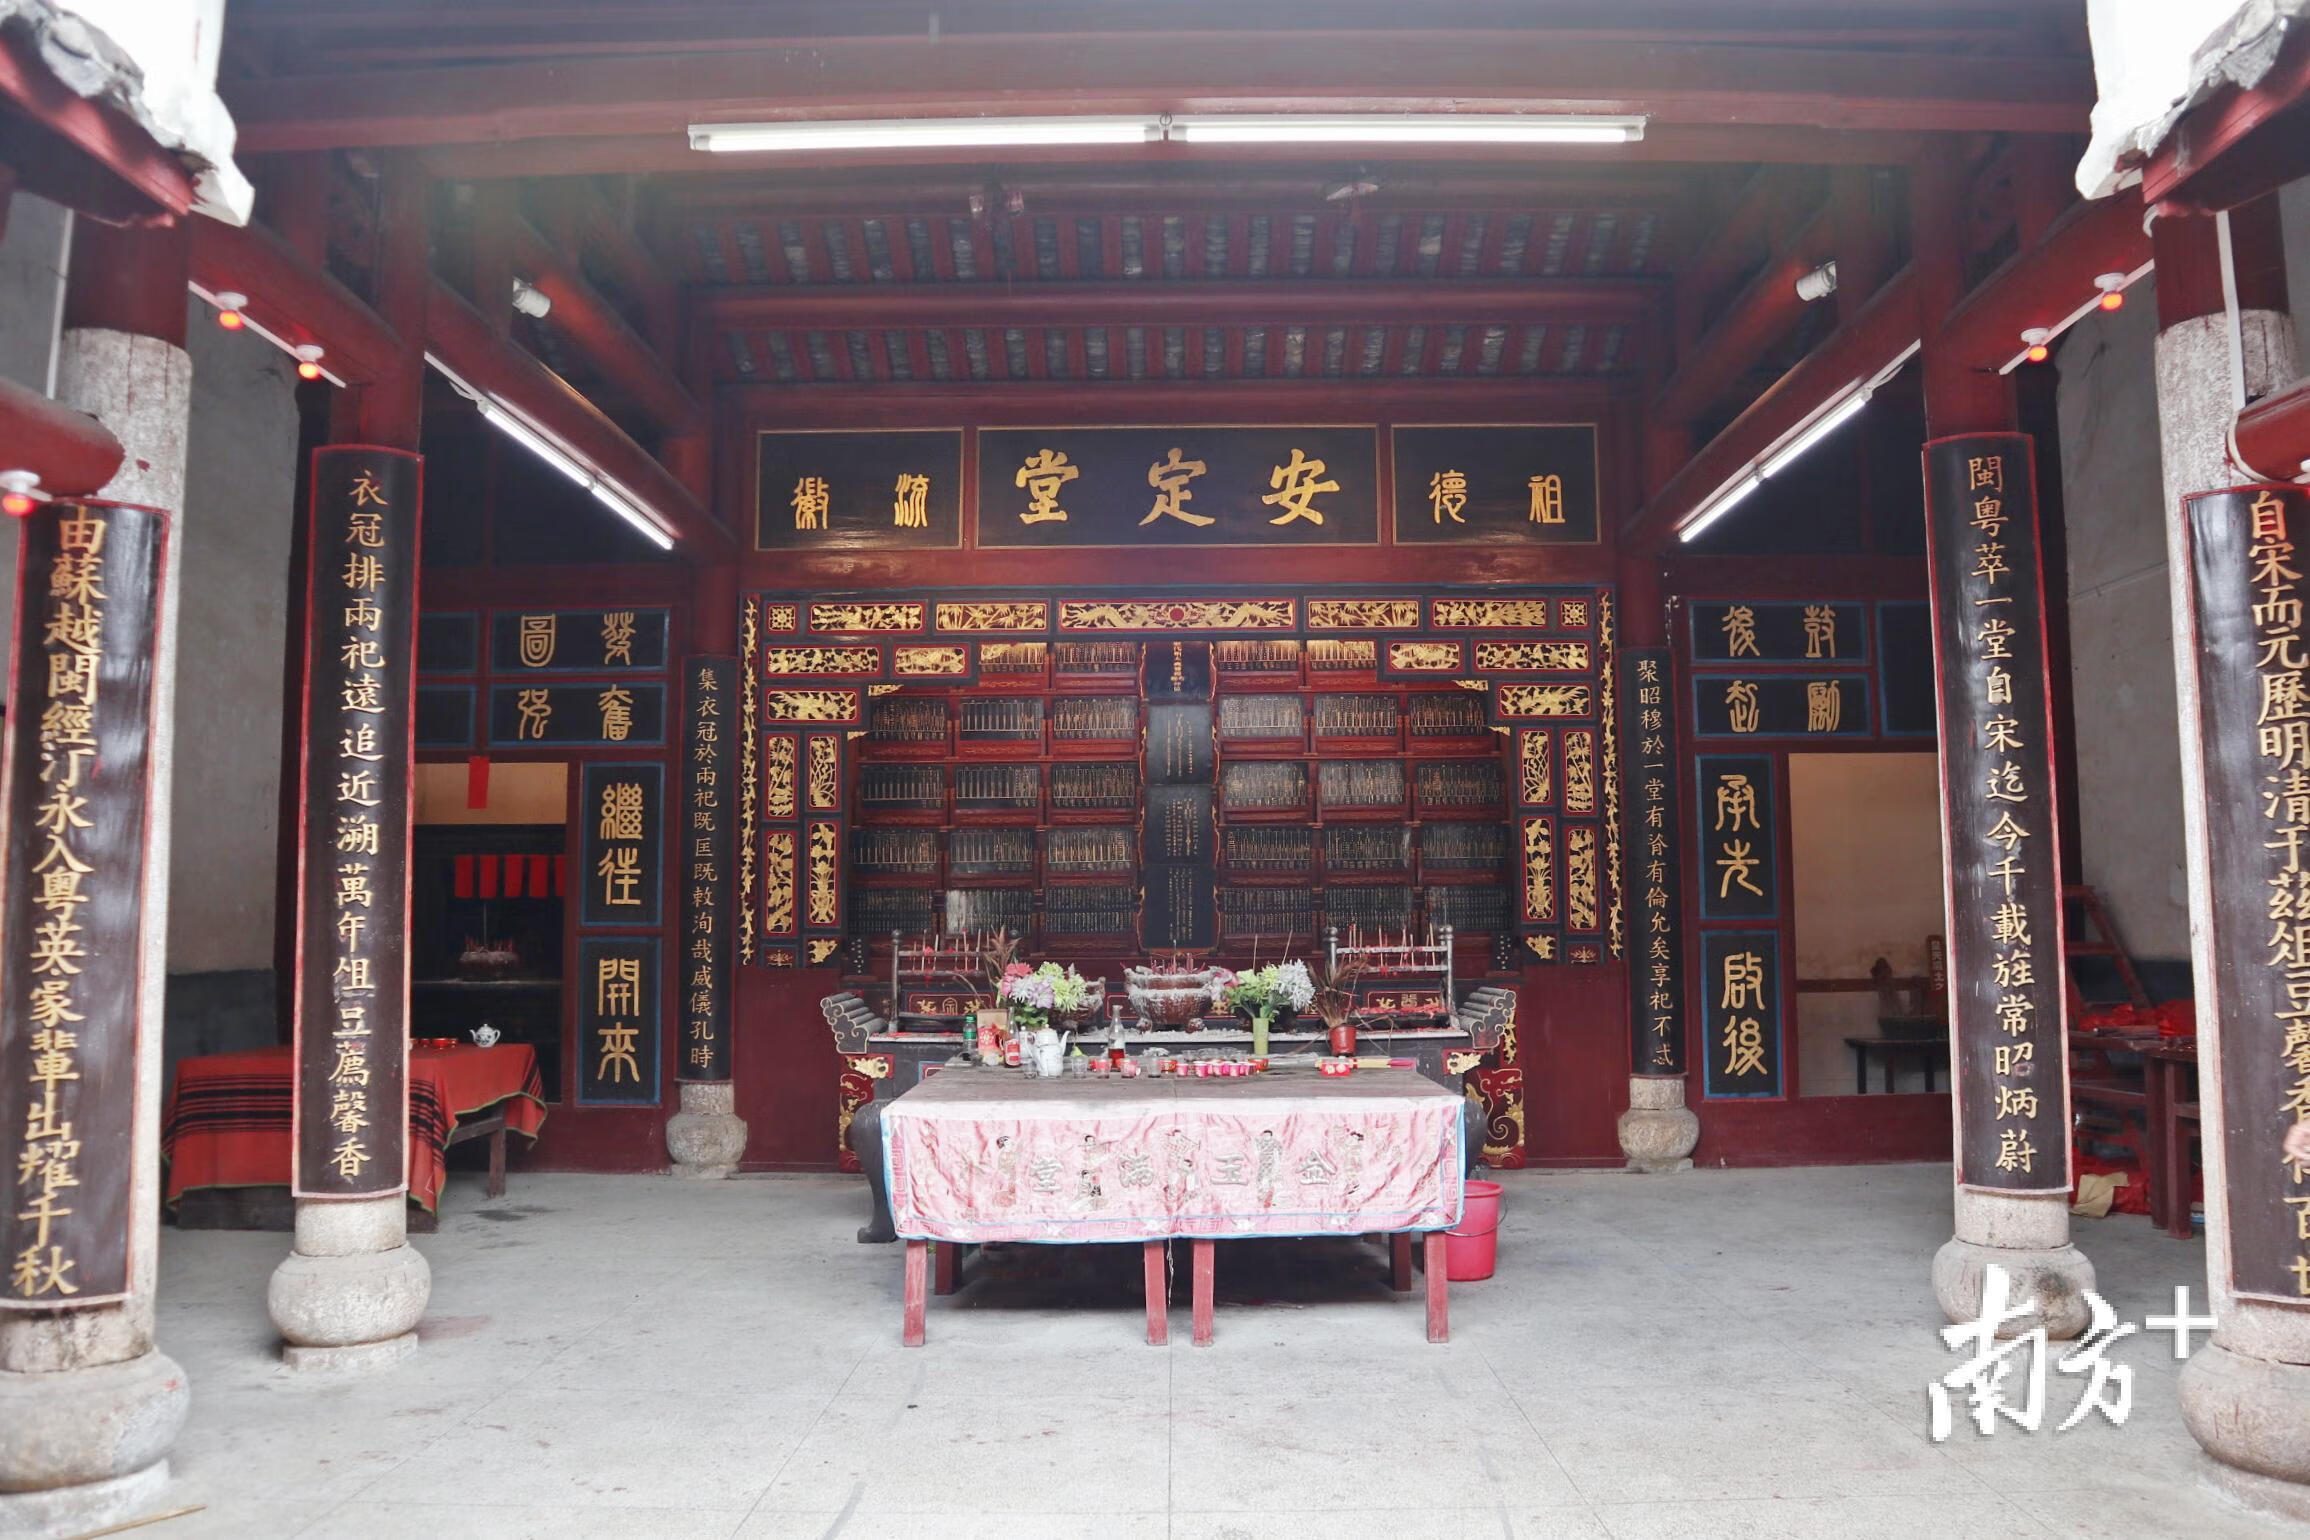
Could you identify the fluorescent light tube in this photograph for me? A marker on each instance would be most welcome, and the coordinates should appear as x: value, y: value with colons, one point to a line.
x: 1408, y: 128
x: 922, y: 134
x: 1720, y: 505
x: 1781, y: 458
x: 535, y: 442
x: 630, y: 511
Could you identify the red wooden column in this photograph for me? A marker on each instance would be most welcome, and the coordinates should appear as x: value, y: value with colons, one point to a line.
x: 2232, y: 560
x: 352, y: 1289
x: 2002, y: 875
x: 89, y: 1408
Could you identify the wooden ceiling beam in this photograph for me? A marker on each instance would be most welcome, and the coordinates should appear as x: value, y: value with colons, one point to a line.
x: 595, y: 330
x: 456, y: 333
x: 1473, y: 71
x: 1760, y: 315
x: 1325, y: 302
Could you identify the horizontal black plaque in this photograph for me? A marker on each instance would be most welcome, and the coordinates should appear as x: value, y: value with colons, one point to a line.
x: 1811, y: 631
x: 608, y: 641
x: 599, y: 713
x: 869, y: 490
x: 1781, y: 706
x: 1188, y: 486
x: 1487, y: 485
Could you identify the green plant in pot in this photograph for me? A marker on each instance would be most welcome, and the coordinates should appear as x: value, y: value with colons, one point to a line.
x: 1263, y: 994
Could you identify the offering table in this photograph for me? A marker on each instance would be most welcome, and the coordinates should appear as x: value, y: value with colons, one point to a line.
x: 976, y: 1155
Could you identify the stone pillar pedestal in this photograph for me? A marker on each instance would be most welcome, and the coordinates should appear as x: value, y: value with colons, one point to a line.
x: 2027, y: 1234
x: 89, y: 1407
x: 350, y: 1293
x: 1658, y: 1132
x: 707, y: 1137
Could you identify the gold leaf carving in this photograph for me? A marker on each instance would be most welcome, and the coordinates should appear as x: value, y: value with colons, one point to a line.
x: 778, y: 882
x: 1543, y: 700
x: 1535, y: 783
x: 866, y: 615
x: 1363, y: 614
x: 810, y: 705
x: 823, y: 855
x: 779, y: 617
x: 994, y: 615
x: 1425, y: 657
x: 823, y: 948
x: 778, y: 777
x: 1489, y: 614
x: 1539, y: 871
x: 931, y: 662
x: 780, y: 662
x: 1579, y: 770
x: 1580, y: 877
x: 1177, y: 614
x: 825, y: 775
x: 1532, y: 657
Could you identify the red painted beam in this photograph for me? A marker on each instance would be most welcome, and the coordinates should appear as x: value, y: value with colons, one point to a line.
x: 956, y: 74
x: 1348, y: 302
x: 2272, y: 439
x: 2039, y: 286
x: 1760, y: 315
x: 2241, y: 144
x: 71, y: 452
x: 1857, y: 350
x: 457, y: 335
x: 91, y: 157
x: 598, y: 332
x: 294, y: 299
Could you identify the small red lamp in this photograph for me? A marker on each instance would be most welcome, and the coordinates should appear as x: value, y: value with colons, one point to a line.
x: 230, y: 303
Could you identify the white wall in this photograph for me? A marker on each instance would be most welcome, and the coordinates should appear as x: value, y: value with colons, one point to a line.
x: 2121, y: 631
x: 233, y: 544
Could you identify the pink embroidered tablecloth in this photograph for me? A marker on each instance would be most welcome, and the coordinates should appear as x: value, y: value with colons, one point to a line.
x: 990, y: 1155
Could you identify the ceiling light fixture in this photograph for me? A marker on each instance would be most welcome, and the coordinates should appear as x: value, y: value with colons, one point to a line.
x: 522, y: 431
x: 20, y: 493
x: 2109, y: 294
x: 921, y: 134
x: 232, y: 309
x: 1412, y: 128
x: 1408, y: 128
x: 1840, y: 409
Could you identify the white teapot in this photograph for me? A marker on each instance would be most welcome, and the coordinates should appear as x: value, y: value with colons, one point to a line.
x: 1050, y: 1052
x: 485, y: 1036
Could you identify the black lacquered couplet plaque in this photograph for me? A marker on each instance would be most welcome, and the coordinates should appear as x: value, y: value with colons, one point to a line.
x: 621, y: 848
x: 1190, y: 486
x: 79, y: 732
x: 352, y: 1028
x: 2253, y: 672
x: 2007, y: 997
x: 1656, y: 891
x: 1740, y: 980
x: 702, y: 955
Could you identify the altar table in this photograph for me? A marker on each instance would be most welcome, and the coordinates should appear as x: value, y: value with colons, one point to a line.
x: 974, y: 1155
x: 226, y: 1121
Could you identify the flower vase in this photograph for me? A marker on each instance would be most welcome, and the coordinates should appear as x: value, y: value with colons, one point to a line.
x: 1260, y: 1022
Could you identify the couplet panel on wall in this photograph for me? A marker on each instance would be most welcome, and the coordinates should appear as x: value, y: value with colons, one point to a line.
x: 1741, y: 1005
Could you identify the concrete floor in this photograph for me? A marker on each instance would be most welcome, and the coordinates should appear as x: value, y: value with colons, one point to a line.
x: 1713, y: 1355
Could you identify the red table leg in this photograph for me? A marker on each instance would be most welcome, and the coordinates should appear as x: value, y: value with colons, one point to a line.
x: 946, y: 1264
x: 1156, y: 1255
x: 2157, y: 1169
x: 1400, y: 1261
x: 1204, y: 1273
x: 917, y: 1291
x: 1439, y: 1306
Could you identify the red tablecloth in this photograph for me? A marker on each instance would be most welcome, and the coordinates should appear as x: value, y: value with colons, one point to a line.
x: 226, y: 1122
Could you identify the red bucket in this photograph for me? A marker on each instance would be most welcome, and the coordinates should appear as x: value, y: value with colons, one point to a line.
x: 1469, y: 1250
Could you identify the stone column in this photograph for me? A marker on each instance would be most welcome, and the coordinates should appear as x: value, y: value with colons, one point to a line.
x: 2246, y: 1393
x: 1657, y: 1132
x: 2010, y: 1112
x: 707, y: 1138
x: 351, y: 1291
x: 89, y: 1407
